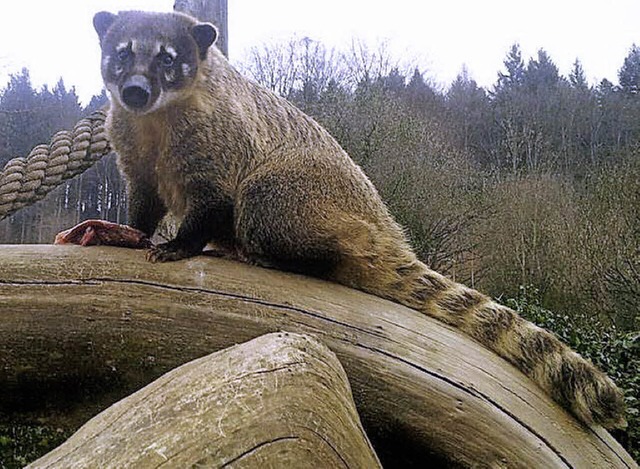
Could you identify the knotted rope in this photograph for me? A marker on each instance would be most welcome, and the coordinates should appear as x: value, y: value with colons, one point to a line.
x: 24, y: 181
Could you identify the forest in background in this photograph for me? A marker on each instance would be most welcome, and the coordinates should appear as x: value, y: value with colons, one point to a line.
x: 528, y: 191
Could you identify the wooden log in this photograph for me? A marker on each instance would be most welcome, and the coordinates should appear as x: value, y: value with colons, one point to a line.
x: 281, y: 400
x: 93, y: 324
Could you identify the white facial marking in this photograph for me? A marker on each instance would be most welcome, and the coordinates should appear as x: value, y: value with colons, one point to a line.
x: 122, y: 46
x: 105, y: 61
x: 171, y: 51
x: 170, y: 75
x: 186, y: 70
x: 112, y: 88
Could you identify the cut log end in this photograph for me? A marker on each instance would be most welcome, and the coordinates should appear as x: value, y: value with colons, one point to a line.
x: 281, y: 400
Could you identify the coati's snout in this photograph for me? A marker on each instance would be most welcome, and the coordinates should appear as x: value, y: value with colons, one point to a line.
x: 150, y: 60
x: 136, y: 92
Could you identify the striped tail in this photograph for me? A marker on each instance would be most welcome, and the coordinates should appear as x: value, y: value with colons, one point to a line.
x: 376, y: 258
x: 569, y: 379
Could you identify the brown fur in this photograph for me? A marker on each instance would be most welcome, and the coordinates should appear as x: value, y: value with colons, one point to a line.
x: 243, y: 168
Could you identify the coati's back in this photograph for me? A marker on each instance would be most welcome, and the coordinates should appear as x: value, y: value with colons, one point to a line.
x: 246, y: 170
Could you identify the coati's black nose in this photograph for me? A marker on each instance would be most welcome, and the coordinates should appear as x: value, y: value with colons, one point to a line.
x: 136, y: 92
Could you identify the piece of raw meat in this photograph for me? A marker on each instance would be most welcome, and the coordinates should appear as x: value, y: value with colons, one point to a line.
x: 100, y: 232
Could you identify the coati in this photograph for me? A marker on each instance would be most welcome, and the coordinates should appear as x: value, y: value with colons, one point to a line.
x: 244, y: 169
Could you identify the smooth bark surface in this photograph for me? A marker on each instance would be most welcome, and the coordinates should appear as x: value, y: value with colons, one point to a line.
x: 281, y: 400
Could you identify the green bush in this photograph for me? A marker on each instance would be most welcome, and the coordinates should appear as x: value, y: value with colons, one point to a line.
x: 615, y: 353
x: 22, y: 444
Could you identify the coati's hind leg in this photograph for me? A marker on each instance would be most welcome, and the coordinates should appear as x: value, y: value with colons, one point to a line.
x: 300, y: 229
x: 270, y: 233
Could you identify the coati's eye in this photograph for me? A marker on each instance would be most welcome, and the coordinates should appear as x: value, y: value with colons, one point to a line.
x: 167, y: 56
x: 166, y: 59
x: 124, y: 54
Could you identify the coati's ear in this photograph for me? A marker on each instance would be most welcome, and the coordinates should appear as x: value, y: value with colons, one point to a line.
x: 205, y: 34
x: 102, y: 21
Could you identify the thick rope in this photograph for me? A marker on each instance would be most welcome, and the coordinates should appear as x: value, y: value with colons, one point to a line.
x: 24, y: 181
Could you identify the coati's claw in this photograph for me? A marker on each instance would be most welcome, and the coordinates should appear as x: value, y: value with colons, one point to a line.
x: 168, y: 252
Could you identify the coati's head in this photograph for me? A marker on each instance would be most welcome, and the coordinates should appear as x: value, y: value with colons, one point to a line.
x: 149, y: 59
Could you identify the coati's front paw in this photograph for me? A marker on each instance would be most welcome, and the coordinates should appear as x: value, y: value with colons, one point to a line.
x: 171, y: 251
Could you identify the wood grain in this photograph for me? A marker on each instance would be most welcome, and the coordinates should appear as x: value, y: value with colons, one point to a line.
x: 281, y: 400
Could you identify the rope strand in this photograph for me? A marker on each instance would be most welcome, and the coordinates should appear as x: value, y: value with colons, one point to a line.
x: 24, y: 181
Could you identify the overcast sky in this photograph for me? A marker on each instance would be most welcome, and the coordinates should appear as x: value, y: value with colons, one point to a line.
x: 55, y: 38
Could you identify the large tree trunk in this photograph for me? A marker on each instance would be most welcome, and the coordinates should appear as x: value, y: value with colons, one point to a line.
x: 281, y: 400
x: 90, y: 325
